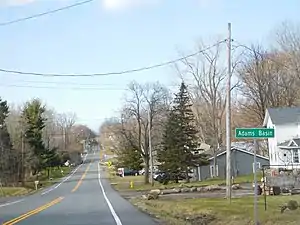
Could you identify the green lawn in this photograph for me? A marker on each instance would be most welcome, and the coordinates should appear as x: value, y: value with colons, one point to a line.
x: 218, y: 211
x: 13, y: 191
x: 123, y: 183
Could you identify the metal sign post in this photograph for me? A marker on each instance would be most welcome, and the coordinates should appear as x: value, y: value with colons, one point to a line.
x: 255, y: 184
x: 255, y: 133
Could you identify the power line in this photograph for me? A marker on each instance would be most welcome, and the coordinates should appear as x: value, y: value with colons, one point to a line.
x: 259, y: 53
x: 45, y: 13
x: 112, y: 73
x: 63, y: 88
x: 73, y: 84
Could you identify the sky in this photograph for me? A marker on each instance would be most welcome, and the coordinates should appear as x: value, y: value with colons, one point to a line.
x: 116, y: 35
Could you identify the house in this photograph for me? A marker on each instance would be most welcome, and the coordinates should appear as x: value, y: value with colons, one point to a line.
x: 241, y: 164
x: 284, y: 148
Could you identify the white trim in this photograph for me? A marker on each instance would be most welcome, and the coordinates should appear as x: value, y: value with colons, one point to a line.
x: 240, y: 150
x: 258, y: 166
x: 267, y: 116
x: 211, y: 171
x: 199, y: 173
x: 292, y: 141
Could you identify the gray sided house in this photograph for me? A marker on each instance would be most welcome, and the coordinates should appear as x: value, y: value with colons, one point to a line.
x: 241, y: 164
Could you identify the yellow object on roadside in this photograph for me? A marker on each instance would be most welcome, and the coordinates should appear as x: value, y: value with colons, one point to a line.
x: 131, y: 184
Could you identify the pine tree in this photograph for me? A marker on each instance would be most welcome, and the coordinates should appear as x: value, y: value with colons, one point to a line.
x: 6, y: 151
x: 130, y: 158
x: 35, y: 123
x: 180, y: 140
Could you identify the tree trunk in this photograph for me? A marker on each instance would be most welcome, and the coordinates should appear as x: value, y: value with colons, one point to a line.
x: 187, y: 175
x: 146, y: 159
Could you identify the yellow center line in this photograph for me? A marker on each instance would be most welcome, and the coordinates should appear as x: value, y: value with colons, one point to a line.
x: 81, y: 179
x: 33, y: 212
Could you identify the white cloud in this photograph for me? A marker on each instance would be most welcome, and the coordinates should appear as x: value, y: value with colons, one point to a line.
x: 125, y: 4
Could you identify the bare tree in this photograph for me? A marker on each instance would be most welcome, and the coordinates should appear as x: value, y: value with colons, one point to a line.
x: 266, y: 83
x: 66, y: 121
x: 143, y: 101
x: 208, y: 75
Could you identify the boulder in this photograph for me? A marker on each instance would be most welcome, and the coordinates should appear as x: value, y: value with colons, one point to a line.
x: 170, y: 191
x: 184, y: 190
x: 193, y: 189
x: 152, y: 196
x: 213, y: 188
x: 200, y: 189
x: 236, y: 187
x: 144, y: 197
x: 155, y: 191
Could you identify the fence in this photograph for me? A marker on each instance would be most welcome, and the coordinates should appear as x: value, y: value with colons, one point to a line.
x: 285, y: 178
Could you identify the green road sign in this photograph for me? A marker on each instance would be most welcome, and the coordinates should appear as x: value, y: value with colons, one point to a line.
x: 254, y: 133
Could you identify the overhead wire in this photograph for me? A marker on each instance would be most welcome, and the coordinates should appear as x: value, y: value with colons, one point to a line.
x: 63, y: 88
x: 112, y: 73
x: 259, y: 53
x: 73, y: 84
x: 45, y: 13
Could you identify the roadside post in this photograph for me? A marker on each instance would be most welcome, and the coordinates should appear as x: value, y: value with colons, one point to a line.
x: 255, y: 133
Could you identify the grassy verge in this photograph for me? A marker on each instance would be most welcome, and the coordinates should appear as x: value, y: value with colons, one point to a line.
x: 55, y: 175
x: 123, y: 183
x: 29, y: 187
x: 13, y: 191
x: 218, y: 211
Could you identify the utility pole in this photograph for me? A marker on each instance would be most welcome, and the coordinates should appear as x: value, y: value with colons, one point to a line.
x: 22, y: 156
x: 150, y: 147
x: 65, y: 138
x: 228, y: 120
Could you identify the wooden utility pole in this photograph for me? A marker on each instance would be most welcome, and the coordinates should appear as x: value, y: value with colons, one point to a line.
x: 22, y: 157
x: 150, y: 148
x: 228, y: 119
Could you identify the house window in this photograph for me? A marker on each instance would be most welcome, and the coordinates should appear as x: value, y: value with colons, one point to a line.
x: 257, y: 166
x: 295, y: 155
x: 214, y: 173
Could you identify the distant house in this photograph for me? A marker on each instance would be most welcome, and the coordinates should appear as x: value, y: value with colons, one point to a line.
x: 284, y: 148
x: 241, y: 164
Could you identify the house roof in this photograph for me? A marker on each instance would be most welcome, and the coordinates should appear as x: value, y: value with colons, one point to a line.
x: 294, y: 142
x: 240, y: 150
x: 283, y: 115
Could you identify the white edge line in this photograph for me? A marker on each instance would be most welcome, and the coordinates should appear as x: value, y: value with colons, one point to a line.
x: 111, y: 208
x: 64, y: 180
x: 11, y: 203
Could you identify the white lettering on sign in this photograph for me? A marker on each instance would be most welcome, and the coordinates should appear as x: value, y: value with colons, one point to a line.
x: 263, y: 133
x: 246, y: 133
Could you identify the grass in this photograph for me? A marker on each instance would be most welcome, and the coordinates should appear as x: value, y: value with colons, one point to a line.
x: 55, y: 175
x: 29, y: 187
x: 123, y: 183
x: 13, y: 191
x: 218, y: 211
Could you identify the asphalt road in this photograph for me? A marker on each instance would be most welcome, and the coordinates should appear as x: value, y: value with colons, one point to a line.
x: 84, y: 198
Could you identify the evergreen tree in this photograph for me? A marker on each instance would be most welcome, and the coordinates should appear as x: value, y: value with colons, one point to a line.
x: 35, y: 123
x: 130, y: 158
x: 6, y: 152
x: 180, y: 140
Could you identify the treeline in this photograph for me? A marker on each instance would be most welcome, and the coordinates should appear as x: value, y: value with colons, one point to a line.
x: 34, y: 138
x: 263, y: 76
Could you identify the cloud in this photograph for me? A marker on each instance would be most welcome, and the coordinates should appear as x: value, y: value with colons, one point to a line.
x: 125, y: 4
